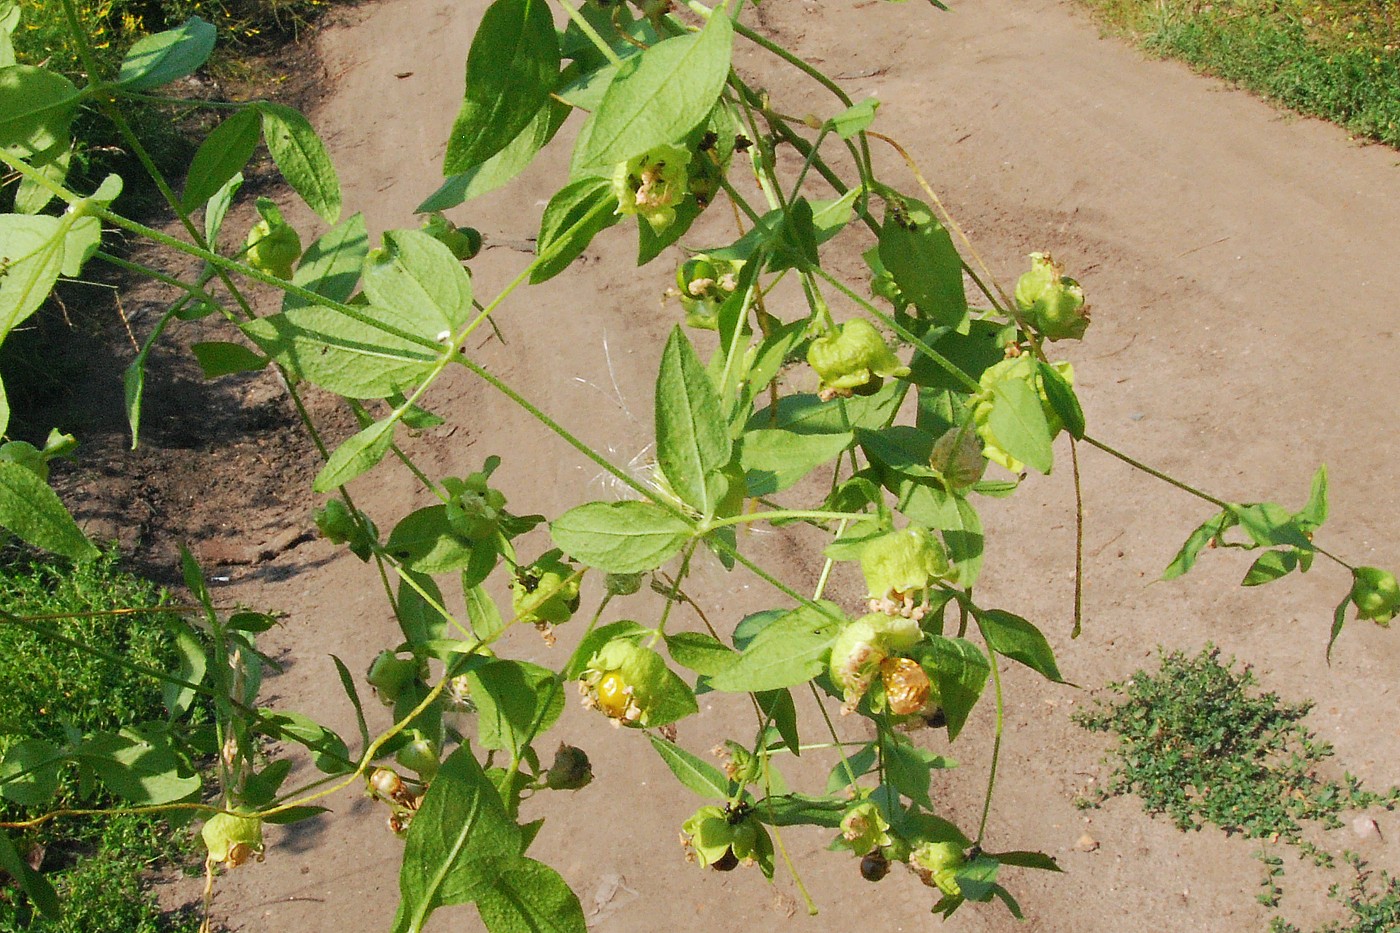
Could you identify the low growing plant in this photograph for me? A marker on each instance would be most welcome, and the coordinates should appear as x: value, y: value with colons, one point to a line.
x: 670, y: 129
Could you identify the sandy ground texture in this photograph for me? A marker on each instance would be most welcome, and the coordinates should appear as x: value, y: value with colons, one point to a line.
x: 1241, y: 266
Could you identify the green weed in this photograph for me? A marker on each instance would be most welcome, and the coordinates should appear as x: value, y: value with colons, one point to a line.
x: 1338, y: 60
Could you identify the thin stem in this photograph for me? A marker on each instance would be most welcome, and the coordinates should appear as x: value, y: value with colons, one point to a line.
x: 785, y: 515
x: 1078, y: 540
x: 587, y: 29
x: 1169, y: 480
x: 996, y: 746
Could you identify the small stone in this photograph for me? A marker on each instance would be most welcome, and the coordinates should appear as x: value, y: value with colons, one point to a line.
x: 1365, y: 827
x: 1087, y: 843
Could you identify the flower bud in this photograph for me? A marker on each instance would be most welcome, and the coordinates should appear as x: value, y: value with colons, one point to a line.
x: 720, y: 838
x: 571, y: 769
x: 389, y: 674
x: 421, y: 755
x: 653, y: 184
x: 628, y: 683
x: 232, y: 838
x: 474, y: 510
x: 273, y: 244
x: 903, y: 562
x: 957, y: 455
x: 864, y: 829
x: 937, y: 864
x: 852, y: 357
x: 623, y: 584
x: 1375, y: 594
x: 545, y: 591
x: 703, y: 284
x: 386, y: 783
x: 1050, y: 301
x: 464, y: 242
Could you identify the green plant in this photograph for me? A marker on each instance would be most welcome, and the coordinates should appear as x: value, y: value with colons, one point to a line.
x: 1199, y: 743
x: 901, y: 448
x: 53, y: 689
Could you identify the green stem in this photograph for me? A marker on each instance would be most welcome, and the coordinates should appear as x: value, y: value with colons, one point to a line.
x: 587, y: 29
x: 996, y: 746
x: 1169, y: 480
x: 785, y: 515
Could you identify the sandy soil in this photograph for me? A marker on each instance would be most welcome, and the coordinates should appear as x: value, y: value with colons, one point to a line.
x: 1240, y: 263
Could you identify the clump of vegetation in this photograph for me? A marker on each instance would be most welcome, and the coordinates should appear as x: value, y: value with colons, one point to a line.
x: 1335, y: 59
x: 1198, y: 742
x: 51, y: 688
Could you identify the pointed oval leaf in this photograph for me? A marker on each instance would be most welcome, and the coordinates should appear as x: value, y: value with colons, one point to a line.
x: 31, y: 510
x: 167, y: 56
x: 331, y: 266
x: 356, y: 455
x: 221, y: 156
x: 302, y: 159
x: 1018, y: 423
x: 692, y: 439
x: 1019, y: 640
x: 531, y: 898
x: 574, y: 216
x: 656, y: 98
x: 620, y: 537
x: 511, y: 68
x: 417, y: 276
x: 700, y: 776
x: 513, y: 158
x: 919, y: 254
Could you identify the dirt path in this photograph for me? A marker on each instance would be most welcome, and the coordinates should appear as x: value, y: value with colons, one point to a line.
x: 1241, y: 264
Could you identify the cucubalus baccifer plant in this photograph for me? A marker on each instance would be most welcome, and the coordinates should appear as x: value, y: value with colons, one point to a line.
x: 934, y: 387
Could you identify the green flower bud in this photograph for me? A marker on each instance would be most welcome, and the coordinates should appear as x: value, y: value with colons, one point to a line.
x: 704, y: 284
x: 474, y: 510
x: 864, y: 829
x: 337, y: 525
x: 273, y: 244
x: 937, y: 864
x: 957, y: 455
x: 390, y: 674
x: 464, y: 242
x: 903, y: 562
x: 1023, y: 368
x: 720, y: 838
x: 545, y: 591
x: 852, y: 357
x: 652, y: 184
x: 571, y: 769
x: 232, y: 838
x: 1375, y: 594
x: 421, y: 755
x: 1050, y: 301
x: 623, y: 584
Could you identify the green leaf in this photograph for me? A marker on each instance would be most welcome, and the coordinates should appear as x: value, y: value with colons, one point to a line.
x: 32, y: 249
x: 574, y: 216
x: 36, y: 110
x: 960, y: 671
x: 1315, y: 512
x: 1018, y: 423
x: 511, y: 68
x: 1339, y: 619
x: 496, y: 171
x: 700, y: 776
x: 909, y: 768
x: 774, y: 459
x: 1270, y: 566
x: 419, y: 620
x: 800, y: 810
x: 692, y: 440
x: 807, y: 414
x: 670, y: 698
x: 918, y: 252
x: 29, y: 772
x: 1269, y: 524
x: 331, y: 266
x: 854, y: 119
x: 31, y: 196
x: 483, y: 614
x: 217, y: 209
x: 328, y: 751
x: 416, y: 272
x: 460, y: 843
x: 142, y: 768
x: 1022, y: 859
x: 425, y: 542
x: 656, y: 98
x: 701, y: 653
x: 4, y: 410
x: 1015, y: 638
x: 972, y: 353
x: 828, y: 219
x: 35, y: 885
x: 901, y: 448
x: 167, y: 56
x: 295, y: 815
x: 620, y: 537
x: 355, y: 456
x: 221, y: 156
x: 1062, y: 399
x: 846, y: 772
x: 217, y: 358
x: 516, y: 700
x: 777, y: 705
x: 193, y: 664
x: 1209, y: 531
x: 530, y: 898
x: 302, y: 159
x: 788, y: 652
x: 32, y: 511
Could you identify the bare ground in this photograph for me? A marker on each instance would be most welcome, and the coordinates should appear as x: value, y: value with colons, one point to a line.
x: 1241, y: 265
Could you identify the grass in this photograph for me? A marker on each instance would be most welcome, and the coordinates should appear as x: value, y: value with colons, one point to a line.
x: 1335, y: 59
x: 1199, y: 743
x: 49, y: 689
